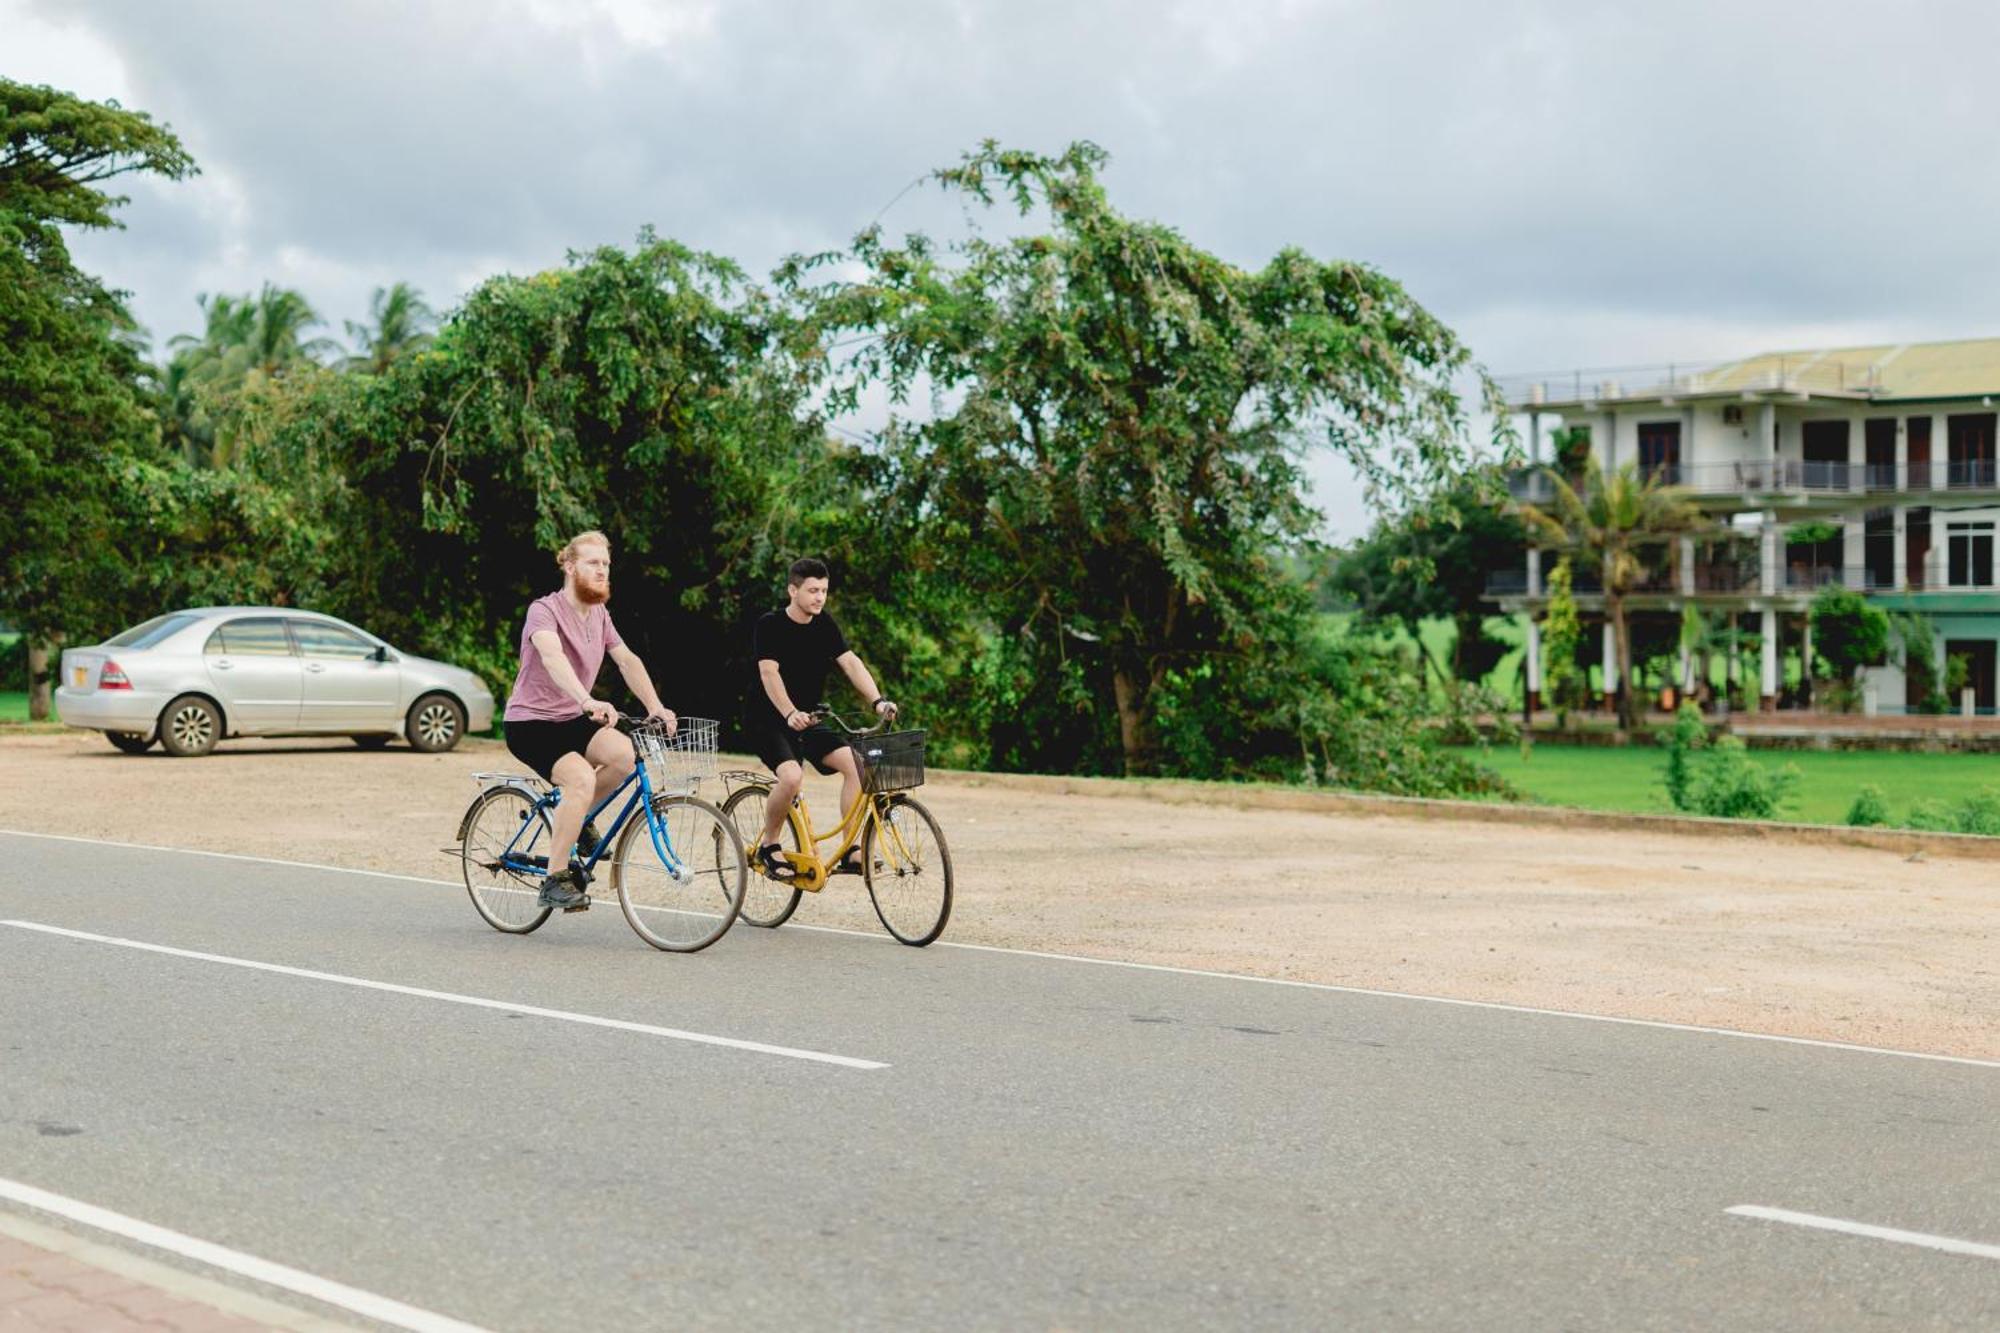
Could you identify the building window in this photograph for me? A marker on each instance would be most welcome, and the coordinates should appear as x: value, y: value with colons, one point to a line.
x: 1970, y: 555
x: 1970, y: 439
x: 1824, y: 444
x: 1660, y: 451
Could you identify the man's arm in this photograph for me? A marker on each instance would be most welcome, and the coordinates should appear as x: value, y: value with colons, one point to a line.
x: 564, y: 675
x: 641, y: 684
x: 851, y: 666
x: 774, y: 690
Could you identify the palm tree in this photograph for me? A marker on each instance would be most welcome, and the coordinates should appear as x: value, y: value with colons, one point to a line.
x: 243, y: 338
x: 400, y: 324
x: 1610, y: 519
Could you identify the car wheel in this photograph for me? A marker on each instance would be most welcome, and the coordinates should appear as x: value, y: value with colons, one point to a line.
x: 435, y: 724
x: 132, y: 742
x: 374, y: 742
x: 190, y: 726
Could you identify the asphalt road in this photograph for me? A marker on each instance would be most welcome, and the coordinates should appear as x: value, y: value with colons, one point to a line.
x: 1018, y: 1142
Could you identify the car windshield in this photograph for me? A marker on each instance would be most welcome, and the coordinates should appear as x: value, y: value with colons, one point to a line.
x: 154, y: 630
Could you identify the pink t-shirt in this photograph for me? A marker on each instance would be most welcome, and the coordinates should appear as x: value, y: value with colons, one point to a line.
x: 585, y: 639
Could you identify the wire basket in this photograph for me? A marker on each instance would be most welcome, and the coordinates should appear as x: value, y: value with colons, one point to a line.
x: 680, y: 762
x: 893, y: 761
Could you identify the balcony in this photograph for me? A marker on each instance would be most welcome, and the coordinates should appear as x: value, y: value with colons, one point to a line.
x: 1976, y: 474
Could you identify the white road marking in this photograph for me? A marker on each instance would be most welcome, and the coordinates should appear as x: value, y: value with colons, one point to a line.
x: 1327, y: 986
x: 1949, y: 1244
x: 478, y: 1002
x: 364, y: 1303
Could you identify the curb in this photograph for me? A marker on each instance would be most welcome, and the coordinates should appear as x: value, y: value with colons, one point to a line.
x: 1907, y: 842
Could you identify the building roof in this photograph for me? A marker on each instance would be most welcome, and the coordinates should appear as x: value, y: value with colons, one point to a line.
x: 1878, y: 372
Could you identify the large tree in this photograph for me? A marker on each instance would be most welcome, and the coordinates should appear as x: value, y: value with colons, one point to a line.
x: 1615, y: 522
x: 75, y: 436
x: 399, y: 323
x: 1113, y: 465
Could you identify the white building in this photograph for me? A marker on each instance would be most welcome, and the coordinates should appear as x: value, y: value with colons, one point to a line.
x: 1892, y: 447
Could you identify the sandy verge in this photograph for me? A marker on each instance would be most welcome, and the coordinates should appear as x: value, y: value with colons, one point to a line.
x: 1851, y: 944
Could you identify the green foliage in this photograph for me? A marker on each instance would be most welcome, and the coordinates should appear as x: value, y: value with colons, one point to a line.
x: 76, y: 440
x: 1978, y: 813
x: 1432, y: 561
x: 1615, y: 521
x: 1112, y: 472
x: 1729, y: 784
x: 1870, y: 808
x: 1848, y: 633
x: 1811, y: 533
x: 1562, y: 631
x: 1689, y: 734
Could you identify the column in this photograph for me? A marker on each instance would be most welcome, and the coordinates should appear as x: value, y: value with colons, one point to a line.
x: 1610, y: 667
x: 1534, y: 572
x: 1902, y: 471
x: 1805, y: 660
x: 1768, y: 630
x: 1534, y: 666
x: 1767, y: 443
x: 1767, y: 536
x: 1900, y: 548
x: 1687, y: 671
x: 1534, y: 438
x: 1686, y: 569
x: 1853, y: 550
x: 1940, y: 458
x: 1608, y: 455
x: 1857, y: 454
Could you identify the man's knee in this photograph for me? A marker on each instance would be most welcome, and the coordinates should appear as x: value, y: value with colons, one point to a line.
x: 572, y: 770
x: 612, y: 751
x: 787, y: 780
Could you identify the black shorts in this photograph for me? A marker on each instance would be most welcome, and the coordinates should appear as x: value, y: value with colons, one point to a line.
x: 777, y: 743
x: 539, y: 744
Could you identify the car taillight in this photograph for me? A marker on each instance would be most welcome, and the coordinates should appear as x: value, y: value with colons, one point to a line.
x: 112, y: 678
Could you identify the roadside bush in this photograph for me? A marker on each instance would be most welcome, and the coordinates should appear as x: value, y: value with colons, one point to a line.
x: 1729, y: 784
x: 1870, y: 808
x: 1690, y: 734
x: 1977, y: 813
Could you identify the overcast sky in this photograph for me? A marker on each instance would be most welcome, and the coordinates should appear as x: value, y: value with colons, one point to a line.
x: 1564, y: 184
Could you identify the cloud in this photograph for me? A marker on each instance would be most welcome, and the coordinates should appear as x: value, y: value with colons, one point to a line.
x: 1564, y: 184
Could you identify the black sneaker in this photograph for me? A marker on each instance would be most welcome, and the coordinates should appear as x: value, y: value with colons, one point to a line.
x: 564, y: 891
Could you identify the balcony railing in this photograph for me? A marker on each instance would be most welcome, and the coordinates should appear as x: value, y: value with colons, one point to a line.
x: 1800, y: 374
x: 1970, y: 475
x: 1507, y: 583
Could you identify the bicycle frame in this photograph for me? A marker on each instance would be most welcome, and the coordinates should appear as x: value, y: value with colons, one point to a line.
x: 643, y: 796
x: 811, y: 869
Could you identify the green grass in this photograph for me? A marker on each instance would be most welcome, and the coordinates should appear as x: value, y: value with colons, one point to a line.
x: 1629, y: 778
x: 13, y: 706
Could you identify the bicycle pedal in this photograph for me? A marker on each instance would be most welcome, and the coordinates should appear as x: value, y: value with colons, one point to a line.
x: 583, y: 906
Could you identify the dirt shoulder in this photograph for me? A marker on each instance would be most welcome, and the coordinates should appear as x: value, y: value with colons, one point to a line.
x: 1805, y: 939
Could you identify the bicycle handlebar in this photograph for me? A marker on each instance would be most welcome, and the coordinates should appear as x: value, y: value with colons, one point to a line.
x: 820, y: 711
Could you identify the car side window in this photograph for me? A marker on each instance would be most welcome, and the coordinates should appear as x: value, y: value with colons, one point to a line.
x: 319, y: 639
x: 252, y: 636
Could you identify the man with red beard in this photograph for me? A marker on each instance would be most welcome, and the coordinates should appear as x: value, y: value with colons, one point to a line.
x: 555, y: 726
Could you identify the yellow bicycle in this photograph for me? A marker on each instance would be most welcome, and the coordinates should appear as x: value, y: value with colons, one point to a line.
x: 904, y: 860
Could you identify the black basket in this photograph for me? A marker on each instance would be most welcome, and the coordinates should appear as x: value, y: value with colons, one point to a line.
x: 893, y: 761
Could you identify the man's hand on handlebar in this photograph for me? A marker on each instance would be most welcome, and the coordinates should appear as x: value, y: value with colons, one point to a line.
x: 600, y: 712
x: 666, y: 715
x: 800, y: 719
x: 885, y: 709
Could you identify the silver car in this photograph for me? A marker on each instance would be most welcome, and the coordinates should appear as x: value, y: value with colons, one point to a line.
x: 191, y: 678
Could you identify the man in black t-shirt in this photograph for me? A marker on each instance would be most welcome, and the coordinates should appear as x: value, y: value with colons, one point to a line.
x: 794, y: 648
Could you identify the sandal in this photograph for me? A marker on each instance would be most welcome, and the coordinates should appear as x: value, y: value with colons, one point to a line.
x: 774, y: 865
x: 849, y: 864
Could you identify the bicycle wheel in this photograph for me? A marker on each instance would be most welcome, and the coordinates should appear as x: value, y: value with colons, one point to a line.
x: 691, y: 903
x: 509, y: 901
x: 908, y: 869
x: 768, y: 902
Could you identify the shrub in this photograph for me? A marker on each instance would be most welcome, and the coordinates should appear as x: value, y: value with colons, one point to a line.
x: 1870, y: 808
x: 1977, y: 813
x: 1731, y: 785
x: 1690, y: 734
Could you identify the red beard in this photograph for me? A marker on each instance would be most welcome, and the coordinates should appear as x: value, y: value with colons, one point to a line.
x: 590, y: 596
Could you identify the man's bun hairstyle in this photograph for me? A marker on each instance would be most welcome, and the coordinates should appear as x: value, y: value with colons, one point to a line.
x: 591, y: 538
x: 805, y: 568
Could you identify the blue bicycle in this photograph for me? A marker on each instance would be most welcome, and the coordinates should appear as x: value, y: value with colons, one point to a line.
x: 679, y: 867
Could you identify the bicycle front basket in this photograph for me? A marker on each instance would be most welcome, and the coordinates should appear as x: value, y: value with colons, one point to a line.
x: 683, y: 761
x: 893, y: 761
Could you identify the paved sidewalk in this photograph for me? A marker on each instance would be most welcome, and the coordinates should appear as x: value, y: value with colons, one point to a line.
x: 53, y: 1281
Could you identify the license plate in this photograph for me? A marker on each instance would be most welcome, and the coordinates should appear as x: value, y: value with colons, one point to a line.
x: 82, y: 674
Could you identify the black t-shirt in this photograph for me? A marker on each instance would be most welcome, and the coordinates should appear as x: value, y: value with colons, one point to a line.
x: 804, y: 654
